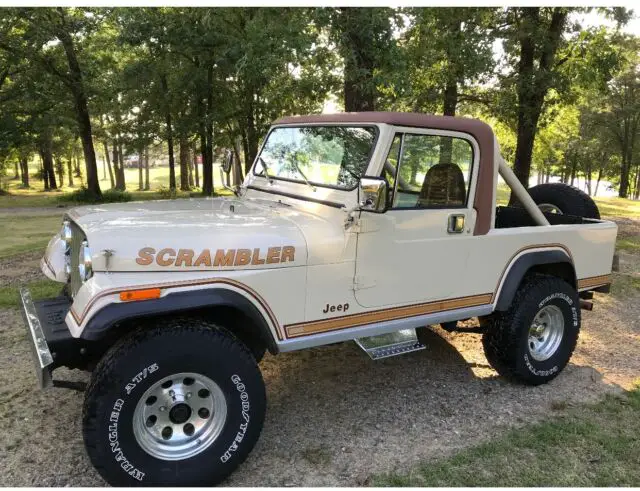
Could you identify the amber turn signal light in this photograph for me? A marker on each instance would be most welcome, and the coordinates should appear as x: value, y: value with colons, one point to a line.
x: 134, y: 295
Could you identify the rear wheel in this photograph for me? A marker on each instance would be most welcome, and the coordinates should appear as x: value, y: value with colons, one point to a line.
x: 180, y: 405
x: 533, y: 341
x: 561, y: 198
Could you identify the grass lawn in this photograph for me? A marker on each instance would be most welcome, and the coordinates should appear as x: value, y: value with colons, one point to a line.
x: 36, y: 196
x: 40, y: 289
x: 618, y: 207
x: 597, y: 445
x: 26, y: 233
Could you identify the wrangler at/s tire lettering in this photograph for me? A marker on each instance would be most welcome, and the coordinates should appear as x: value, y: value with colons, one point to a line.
x: 533, y: 341
x: 181, y: 404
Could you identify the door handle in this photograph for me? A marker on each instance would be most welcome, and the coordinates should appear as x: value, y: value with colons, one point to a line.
x: 455, y: 224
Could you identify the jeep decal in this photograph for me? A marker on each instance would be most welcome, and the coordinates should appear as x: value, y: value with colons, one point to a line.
x: 221, y: 257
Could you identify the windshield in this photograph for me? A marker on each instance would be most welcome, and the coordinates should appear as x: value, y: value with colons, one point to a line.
x: 334, y: 156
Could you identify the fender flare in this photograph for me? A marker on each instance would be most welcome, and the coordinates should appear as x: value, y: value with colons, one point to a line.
x: 107, y: 317
x: 519, y: 268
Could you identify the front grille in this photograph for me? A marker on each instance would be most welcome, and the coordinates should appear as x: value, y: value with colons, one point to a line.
x: 76, y: 240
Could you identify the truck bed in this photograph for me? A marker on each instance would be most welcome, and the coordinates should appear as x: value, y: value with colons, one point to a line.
x: 513, y: 216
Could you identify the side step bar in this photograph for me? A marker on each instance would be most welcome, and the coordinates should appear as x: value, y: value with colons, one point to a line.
x: 391, y: 344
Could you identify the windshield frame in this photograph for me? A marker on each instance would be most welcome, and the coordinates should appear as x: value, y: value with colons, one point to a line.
x: 374, y: 145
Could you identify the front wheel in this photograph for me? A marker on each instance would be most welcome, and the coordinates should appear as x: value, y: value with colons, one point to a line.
x: 179, y: 405
x: 533, y: 341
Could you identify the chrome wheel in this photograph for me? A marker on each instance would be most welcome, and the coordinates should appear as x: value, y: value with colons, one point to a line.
x: 179, y: 416
x: 545, y: 333
x: 549, y: 208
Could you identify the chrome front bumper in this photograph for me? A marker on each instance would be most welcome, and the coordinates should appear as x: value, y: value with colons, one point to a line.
x: 42, y: 358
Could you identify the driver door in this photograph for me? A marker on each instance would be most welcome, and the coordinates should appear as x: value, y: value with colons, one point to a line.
x: 417, y: 251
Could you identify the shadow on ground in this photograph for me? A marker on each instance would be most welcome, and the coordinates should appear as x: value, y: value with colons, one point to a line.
x: 334, y: 416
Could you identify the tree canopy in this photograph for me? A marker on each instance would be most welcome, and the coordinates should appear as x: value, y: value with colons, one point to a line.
x: 78, y: 85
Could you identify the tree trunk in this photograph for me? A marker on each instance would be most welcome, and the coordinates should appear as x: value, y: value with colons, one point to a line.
x: 70, y: 169
x: 598, y: 181
x: 191, y: 165
x: 207, y: 163
x: 195, y: 165
x: 184, y: 164
x: 24, y: 171
x: 355, y: 45
x: 450, y: 103
x: 16, y: 170
x: 106, y: 157
x: 82, y: 110
x: 146, y: 169
x: 140, y: 166
x: 624, y: 175
x: 636, y: 189
x: 251, y: 143
x: 534, y: 81
x: 237, y: 169
x: 167, y: 119
x: 60, y: 170
x: 120, y: 186
x: 47, y: 162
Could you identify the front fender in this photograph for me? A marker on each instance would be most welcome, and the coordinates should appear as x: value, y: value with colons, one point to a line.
x: 178, y: 302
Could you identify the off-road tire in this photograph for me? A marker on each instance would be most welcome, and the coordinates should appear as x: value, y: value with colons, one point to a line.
x: 139, y: 361
x: 568, y: 199
x: 505, y: 342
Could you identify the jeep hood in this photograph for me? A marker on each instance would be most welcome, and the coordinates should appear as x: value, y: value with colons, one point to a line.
x: 207, y: 234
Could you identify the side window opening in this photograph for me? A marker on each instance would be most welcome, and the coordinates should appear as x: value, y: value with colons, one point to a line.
x: 390, y: 168
x: 434, y: 171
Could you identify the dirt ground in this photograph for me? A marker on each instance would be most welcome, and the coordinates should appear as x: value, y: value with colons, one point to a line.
x: 334, y: 417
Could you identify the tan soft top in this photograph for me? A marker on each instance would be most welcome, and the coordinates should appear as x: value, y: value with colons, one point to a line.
x: 417, y: 120
x: 482, y: 132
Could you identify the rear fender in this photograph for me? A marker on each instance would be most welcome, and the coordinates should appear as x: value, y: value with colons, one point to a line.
x: 552, y: 262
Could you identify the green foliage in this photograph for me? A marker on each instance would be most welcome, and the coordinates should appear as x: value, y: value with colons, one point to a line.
x: 213, y: 79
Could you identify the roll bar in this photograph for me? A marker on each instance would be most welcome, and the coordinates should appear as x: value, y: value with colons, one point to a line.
x: 521, y: 193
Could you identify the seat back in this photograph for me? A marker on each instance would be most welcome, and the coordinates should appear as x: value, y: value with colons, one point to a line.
x: 443, y: 186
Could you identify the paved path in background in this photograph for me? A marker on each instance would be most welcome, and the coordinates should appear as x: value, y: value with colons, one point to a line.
x: 34, y: 210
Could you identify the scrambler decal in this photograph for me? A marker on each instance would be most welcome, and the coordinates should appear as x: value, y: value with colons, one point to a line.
x: 221, y: 257
x: 244, y: 398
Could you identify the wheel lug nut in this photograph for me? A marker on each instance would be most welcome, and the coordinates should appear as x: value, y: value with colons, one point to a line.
x: 172, y: 393
x: 188, y: 396
x: 163, y: 409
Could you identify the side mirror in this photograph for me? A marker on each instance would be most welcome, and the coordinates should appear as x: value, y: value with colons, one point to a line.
x: 228, y: 160
x: 373, y: 194
x: 233, y: 189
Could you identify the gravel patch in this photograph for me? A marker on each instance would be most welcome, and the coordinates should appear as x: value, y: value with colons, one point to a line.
x: 20, y: 269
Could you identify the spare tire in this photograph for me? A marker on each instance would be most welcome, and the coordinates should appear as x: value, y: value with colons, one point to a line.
x: 557, y: 197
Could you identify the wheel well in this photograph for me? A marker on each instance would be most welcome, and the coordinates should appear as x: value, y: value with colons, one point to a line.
x: 553, y: 263
x: 231, y: 318
x: 562, y: 270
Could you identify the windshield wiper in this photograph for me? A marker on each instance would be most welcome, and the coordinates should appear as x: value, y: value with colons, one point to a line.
x: 295, y: 162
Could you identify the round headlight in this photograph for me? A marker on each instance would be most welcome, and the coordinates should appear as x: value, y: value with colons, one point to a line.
x: 67, y: 233
x: 84, y: 261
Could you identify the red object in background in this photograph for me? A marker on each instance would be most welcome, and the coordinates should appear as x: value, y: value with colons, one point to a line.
x: 199, y: 159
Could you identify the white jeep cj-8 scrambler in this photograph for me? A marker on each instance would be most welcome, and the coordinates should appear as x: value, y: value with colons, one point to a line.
x: 357, y: 226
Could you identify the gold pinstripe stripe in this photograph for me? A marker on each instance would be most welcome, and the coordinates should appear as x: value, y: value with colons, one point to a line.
x: 395, y: 313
